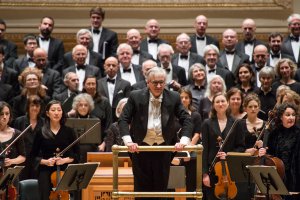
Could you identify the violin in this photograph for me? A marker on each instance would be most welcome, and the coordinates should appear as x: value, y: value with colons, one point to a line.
x: 10, y: 190
x: 225, y: 188
x: 55, y: 178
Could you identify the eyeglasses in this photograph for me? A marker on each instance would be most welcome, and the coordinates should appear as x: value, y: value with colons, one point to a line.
x: 155, y: 83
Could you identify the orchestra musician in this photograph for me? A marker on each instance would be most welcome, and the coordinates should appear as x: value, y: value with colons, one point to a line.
x: 217, y: 125
x: 53, y: 138
x: 283, y: 142
x: 16, y: 154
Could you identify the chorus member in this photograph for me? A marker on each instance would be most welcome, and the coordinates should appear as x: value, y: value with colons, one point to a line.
x: 260, y: 57
x: 291, y: 43
x: 198, y: 83
x: 235, y: 99
x: 105, y: 41
x: 215, y: 85
x: 151, y: 43
x: 113, y: 135
x: 53, y: 138
x: 33, y: 117
x: 200, y: 38
x: 146, y: 66
x: 190, y: 164
x: 280, y: 93
x: 102, y: 109
x: 10, y: 47
x: 285, y: 70
x: 53, y: 46
x: 245, y: 79
x: 152, y: 113
x: 214, y: 128
x: 82, y: 107
x: 211, y: 56
x: 249, y: 41
x: 31, y: 81
x: 283, y: 142
x: 16, y: 154
x: 230, y: 58
x: 266, y: 93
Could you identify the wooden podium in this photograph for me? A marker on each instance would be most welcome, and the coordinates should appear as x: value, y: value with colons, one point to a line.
x: 100, y: 187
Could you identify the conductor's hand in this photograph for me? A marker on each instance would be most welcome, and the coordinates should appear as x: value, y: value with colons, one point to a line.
x: 262, y: 151
x: 179, y: 146
x: 132, y: 147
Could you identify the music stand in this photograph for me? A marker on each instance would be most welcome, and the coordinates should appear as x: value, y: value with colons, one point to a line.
x: 239, y: 173
x: 8, y: 178
x: 268, y: 180
x: 77, y: 177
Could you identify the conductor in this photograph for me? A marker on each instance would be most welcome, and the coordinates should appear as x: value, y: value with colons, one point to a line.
x: 148, y: 119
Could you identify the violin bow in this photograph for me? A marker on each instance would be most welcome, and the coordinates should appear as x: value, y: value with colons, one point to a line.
x: 16, y: 139
x: 77, y: 140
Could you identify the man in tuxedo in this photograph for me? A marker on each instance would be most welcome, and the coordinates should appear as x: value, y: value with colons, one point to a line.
x: 79, y: 54
x: 10, y: 48
x: 275, y: 42
x: 30, y: 44
x: 53, y: 46
x: 8, y: 76
x: 175, y: 75
x: 128, y: 71
x: 105, y: 41
x: 148, y: 119
x: 113, y: 86
x: 211, y: 55
x: 200, y: 39
x: 51, y: 79
x: 249, y: 40
x: 291, y: 43
x: 151, y: 43
x: 134, y: 40
x: 84, y: 37
x: 146, y: 66
x: 260, y: 57
x: 230, y: 58
x: 184, y: 57
x: 66, y: 97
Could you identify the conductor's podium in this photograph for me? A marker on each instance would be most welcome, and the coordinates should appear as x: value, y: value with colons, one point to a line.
x: 101, y: 185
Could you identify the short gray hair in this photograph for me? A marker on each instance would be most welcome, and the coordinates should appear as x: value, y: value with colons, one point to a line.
x: 292, y: 17
x: 82, y: 32
x: 83, y: 96
x: 208, y: 91
x: 124, y: 46
x: 209, y: 47
x: 196, y: 66
x: 267, y: 72
x: 165, y: 46
x: 155, y: 71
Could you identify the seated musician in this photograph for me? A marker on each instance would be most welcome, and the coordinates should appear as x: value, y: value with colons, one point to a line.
x: 283, y: 142
x: 53, y: 138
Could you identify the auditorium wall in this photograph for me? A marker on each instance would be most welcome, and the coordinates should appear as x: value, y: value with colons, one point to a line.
x: 174, y: 16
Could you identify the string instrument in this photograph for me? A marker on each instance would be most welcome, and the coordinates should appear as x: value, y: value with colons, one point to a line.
x: 55, y: 176
x: 10, y: 190
x: 225, y: 188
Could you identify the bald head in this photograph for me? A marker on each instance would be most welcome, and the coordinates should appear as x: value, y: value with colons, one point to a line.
x: 260, y: 55
x: 147, y: 65
x: 40, y: 58
x: 200, y: 25
x: 229, y: 39
x: 134, y: 38
x: 152, y: 28
x: 249, y: 28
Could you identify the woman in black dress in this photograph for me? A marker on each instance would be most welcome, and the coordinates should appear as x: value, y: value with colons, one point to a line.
x: 33, y: 117
x: 284, y: 142
x: 53, y: 138
x: 190, y: 164
x: 245, y: 79
x: 16, y: 153
x: 213, y: 128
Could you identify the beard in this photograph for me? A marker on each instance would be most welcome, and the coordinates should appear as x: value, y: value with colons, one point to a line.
x: 46, y: 32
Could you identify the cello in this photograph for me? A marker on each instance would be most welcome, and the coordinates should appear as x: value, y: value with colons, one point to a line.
x: 56, y: 176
